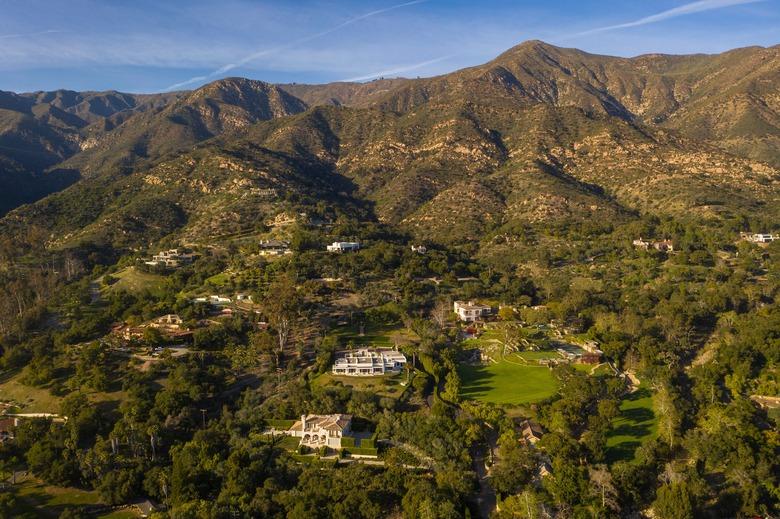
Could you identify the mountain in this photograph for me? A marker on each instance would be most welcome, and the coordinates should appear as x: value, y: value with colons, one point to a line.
x: 731, y: 100
x: 223, y: 106
x: 39, y: 130
x: 541, y: 135
x: 50, y: 139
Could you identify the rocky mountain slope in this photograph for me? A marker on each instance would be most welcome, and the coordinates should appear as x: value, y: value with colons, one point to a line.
x: 539, y: 135
x: 49, y: 139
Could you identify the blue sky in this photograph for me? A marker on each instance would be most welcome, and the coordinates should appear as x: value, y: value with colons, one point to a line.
x: 152, y: 46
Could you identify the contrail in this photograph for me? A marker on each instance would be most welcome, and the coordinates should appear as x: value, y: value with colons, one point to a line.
x: 398, y: 70
x: 7, y: 36
x: 691, y: 8
x: 274, y: 50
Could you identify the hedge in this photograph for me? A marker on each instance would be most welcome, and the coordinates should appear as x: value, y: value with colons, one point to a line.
x: 362, y: 451
x: 280, y: 424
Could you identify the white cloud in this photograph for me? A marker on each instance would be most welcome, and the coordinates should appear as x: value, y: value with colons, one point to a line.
x: 29, y: 34
x: 273, y: 50
x: 691, y: 8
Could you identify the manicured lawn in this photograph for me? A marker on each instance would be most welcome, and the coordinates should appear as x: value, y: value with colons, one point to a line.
x: 635, y: 425
x: 377, y: 336
x: 385, y: 385
x: 133, y: 280
x: 507, y: 383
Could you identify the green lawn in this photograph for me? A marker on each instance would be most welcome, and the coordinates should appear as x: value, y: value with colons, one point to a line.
x: 507, y: 383
x: 35, y: 400
x: 133, y: 280
x: 49, y: 501
x: 635, y: 425
x: 42, y: 500
x: 376, y: 336
x: 384, y: 385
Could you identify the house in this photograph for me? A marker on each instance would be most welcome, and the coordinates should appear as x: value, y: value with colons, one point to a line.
x: 471, y: 311
x: 420, y: 249
x: 322, y: 430
x: 368, y: 362
x: 530, y: 432
x: 171, y: 321
x: 759, y: 237
x: 8, y: 429
x: 663, y: 245
x: 243, y: 298
x: 274, y: 248
x: 343, y: 246
x: 172, y: 258
x: 145, y: 508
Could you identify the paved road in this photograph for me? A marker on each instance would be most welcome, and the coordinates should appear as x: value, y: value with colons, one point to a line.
x: 486, y: 499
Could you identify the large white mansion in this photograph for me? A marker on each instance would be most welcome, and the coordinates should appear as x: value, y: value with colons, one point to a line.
x: 471, y: 311
x: 368, y: 362
x: 322, y: 430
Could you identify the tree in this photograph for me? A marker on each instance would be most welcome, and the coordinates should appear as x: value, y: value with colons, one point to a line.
x: 674, y: 501
x: 441, y: 313
x: 282, y: 306
x: 602, y: 482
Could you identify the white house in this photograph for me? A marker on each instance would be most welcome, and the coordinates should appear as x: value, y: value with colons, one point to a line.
x: 322, y: 430
x: 368, y: 362
x: 471, y: 311
x: 760, y: 237
x: 420, y: 249
x: 343, y: 246
x: 172, y: 258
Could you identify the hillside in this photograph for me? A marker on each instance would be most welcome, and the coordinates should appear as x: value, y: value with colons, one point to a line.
x: 46, y: 137
x: 539, y: 134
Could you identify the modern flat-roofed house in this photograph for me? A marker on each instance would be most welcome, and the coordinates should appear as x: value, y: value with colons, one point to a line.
x: 274, y: 248
x: 172, y: 258
x: 760, y: 237
x: 471, y: 311
x: 322, y: 430
x: 368, y: 362
x: 343, y: 246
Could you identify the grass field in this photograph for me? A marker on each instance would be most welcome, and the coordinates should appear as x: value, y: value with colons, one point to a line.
x: 41, y: 500
x: 133, y: 280
x: 635, y: 424
x: 507, y: 383
x: 35, y: 400
x: 377, y: 336
x: 386, y: 385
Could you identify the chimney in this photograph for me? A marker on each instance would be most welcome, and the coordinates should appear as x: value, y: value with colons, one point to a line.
x: 303, y: 422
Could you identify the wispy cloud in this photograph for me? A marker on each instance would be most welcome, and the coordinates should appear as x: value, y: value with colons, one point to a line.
x: 683, y: 10
x: 399, y: 70
x: 29, y: 34
x: 273, y: 50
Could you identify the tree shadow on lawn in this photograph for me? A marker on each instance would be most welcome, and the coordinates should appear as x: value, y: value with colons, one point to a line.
x: 477, y: 381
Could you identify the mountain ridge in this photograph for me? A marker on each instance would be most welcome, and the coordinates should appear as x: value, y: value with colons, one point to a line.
x: 534, y: 134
